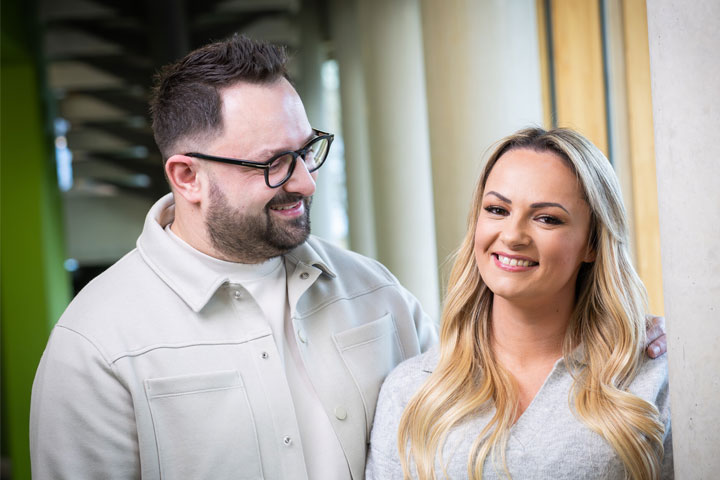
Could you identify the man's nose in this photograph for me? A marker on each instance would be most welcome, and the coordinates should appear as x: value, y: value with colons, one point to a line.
x: 301, y: 181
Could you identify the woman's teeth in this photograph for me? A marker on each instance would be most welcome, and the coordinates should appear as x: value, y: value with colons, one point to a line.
x: 515, y: 262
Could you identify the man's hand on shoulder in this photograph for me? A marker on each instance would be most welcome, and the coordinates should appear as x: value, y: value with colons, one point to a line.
x: 657, y: 340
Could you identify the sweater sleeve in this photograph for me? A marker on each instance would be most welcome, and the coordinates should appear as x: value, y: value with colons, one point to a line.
x: 663, y: 405
x: 383, y: 460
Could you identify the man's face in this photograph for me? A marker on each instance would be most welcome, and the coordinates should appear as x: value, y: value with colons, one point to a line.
x: 247, y: 221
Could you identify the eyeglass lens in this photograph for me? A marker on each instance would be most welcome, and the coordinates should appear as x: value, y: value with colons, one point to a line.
x: 315, y: 155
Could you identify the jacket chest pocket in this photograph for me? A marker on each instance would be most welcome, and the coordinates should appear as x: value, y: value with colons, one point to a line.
x: 204, y: 427
x: 370, y: 352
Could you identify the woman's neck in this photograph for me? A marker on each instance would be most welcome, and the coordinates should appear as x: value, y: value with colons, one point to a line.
x: 527, y: 341
x: 526, y: 335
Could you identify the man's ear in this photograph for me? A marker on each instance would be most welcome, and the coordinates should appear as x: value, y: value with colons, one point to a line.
x: 184, y: 176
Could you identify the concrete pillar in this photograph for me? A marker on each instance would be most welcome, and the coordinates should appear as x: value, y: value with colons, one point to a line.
x: 483, y: 82
x: 399, y: 144
x: 348, y: 51
x: 685, y: 70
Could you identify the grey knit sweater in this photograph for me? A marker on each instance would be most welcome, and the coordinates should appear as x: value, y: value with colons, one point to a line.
x: 547, y: 442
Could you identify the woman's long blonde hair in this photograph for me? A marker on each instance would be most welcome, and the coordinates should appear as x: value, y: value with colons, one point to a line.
x: 608, y: 321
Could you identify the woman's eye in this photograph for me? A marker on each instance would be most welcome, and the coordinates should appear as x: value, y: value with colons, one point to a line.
x: 494, y: 210
x: 550, y: 220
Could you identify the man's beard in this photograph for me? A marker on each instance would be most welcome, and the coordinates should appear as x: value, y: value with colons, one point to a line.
x: 255, y: 238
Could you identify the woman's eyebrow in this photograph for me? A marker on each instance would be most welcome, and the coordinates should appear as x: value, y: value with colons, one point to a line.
x: 534, y: 205
x: 548, y: 204
x: 501, y: 197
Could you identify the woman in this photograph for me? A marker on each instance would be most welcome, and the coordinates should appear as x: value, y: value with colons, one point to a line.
x: 540, y: 371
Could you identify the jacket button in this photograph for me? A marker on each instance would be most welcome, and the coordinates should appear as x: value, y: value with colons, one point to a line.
x: 340, y: 413
x: 304, y: 275
x: 287, y: 441
x: 264, y: 355
x: 302, y: 337
x: 237, y: 294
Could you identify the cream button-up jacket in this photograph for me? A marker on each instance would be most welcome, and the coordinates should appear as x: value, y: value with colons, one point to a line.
x: 156, y: 370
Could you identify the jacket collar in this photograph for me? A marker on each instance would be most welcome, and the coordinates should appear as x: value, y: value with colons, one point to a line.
x: 192, y: 279
x: 306, y: 254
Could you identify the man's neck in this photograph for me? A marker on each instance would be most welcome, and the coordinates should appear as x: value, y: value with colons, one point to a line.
x: 195, y: 236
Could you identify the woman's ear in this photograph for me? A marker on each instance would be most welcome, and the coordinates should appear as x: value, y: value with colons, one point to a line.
x: 183, y: 174
x: 593, y: 242
x: 590, y: 254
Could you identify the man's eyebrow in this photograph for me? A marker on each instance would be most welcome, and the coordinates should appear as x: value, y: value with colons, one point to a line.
x: 501, y: 197
x: 548, y: 204
x: 270, y: 152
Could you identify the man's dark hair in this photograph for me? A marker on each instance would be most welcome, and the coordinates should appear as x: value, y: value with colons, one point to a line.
x: 185, y: 100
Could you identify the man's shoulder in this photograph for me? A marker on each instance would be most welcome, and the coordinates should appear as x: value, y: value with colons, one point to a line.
x: 117, y: 291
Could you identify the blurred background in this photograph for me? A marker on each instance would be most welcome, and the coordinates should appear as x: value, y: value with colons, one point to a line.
x: 416, y: 91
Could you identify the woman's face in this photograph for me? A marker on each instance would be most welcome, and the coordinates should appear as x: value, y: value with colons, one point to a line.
x: 532, y: 232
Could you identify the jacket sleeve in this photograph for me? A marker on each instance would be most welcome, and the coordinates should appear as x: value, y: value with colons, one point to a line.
x: 82, y: 423
x: 425, y: 326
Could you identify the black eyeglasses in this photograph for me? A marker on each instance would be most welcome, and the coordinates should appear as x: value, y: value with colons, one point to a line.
x: 280, y: 167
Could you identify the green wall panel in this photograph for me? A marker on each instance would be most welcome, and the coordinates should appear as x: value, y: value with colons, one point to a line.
x: 34, y: 287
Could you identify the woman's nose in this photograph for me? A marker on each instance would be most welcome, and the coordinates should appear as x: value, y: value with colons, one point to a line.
x: 514, y: 233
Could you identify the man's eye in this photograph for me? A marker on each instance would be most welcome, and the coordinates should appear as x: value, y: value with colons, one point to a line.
x: 550, y: 220
x: 281, y: 163
x: 495, y: 210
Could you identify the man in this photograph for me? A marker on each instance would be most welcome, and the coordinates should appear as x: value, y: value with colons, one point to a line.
x: 230, y: 343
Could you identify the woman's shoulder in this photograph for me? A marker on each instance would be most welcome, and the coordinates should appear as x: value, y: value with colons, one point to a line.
x: 397, y: 390
x: 651, y: 380
x: 402, y: 383
x: 651, y: 384
x: 410, y: 374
